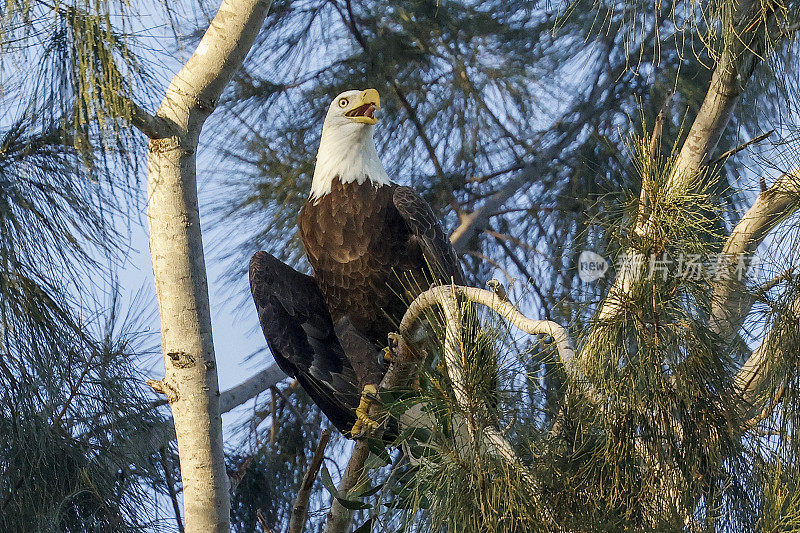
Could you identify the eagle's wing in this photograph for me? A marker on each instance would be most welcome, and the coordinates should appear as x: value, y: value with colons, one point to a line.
x: 300, y: 334
x: 426, y: 230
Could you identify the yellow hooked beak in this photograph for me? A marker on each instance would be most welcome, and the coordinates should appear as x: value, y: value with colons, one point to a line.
x: 364, y: 109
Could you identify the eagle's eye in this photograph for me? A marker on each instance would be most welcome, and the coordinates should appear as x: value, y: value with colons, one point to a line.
x: 343, y: 102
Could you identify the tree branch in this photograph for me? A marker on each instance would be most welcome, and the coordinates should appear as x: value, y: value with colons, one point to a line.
x: 406, y: 363
x: 738, y: 149
x: 441, y: 294
x: 478, y: 220
x: 249, y: 388
x: 157, y: 436
x: 300, y: 509
x: 154, y: 126
x: 730, y: 301
x: 401, y: 372
x: 733, y: 70
x: 750, y: 379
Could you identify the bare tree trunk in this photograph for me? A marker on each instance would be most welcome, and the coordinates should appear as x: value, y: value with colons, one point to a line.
x: 176, y: 246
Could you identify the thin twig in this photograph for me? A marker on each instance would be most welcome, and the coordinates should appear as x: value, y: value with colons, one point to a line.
x: 262, y: 520
x: 739, y: 148
x: 173, y: 494
x: 300, y: 509
x: 522, y: 268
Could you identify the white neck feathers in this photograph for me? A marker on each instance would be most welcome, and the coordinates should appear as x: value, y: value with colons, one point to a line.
x: 346, y: 152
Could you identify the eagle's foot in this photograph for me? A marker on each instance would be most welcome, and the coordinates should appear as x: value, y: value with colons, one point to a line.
x: 498, y: 289
x: 387, y: 355
x: 364, y: 423
x: 388, y: 352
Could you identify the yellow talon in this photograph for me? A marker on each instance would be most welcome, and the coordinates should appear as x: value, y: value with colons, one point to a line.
x: 387, y: 355
x: 394, y: 342
x: 363, y: 421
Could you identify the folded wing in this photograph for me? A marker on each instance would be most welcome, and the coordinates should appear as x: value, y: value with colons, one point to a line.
x: 300, y: 333
x: 428, y: 233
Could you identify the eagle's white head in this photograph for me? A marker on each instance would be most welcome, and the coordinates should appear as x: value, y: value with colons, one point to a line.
x: 347, y: 148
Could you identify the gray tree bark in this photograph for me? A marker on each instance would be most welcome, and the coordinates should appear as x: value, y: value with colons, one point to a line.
x: 176, y: 247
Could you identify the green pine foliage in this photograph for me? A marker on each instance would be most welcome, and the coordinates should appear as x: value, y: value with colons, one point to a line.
x: 653, y: 437
x: 267, y: 469
x: 77, y: 424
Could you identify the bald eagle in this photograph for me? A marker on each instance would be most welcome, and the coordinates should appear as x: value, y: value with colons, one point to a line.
x: 373, y: 246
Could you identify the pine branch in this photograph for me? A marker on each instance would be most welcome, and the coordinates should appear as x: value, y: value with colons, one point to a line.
x: 447, y: 297
x: 730, y: 301
x: 405, y: 366
x: 478, y: 220
x: 440, y: 296
x: 750, y: 378
x: 733, y: 70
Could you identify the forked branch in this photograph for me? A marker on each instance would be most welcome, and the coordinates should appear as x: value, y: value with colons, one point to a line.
x: 732, y: 71
x: 730, y: 301
x: 406, y: 364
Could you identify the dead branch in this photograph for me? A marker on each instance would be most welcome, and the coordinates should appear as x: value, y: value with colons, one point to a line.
x: 173, y: 494
x: 300, y: 509
x: 738, y: 149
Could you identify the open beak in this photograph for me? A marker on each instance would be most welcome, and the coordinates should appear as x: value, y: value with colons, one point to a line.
x: 364, y: 110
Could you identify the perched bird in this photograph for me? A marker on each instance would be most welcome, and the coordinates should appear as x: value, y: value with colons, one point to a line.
x: 373, y: 246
